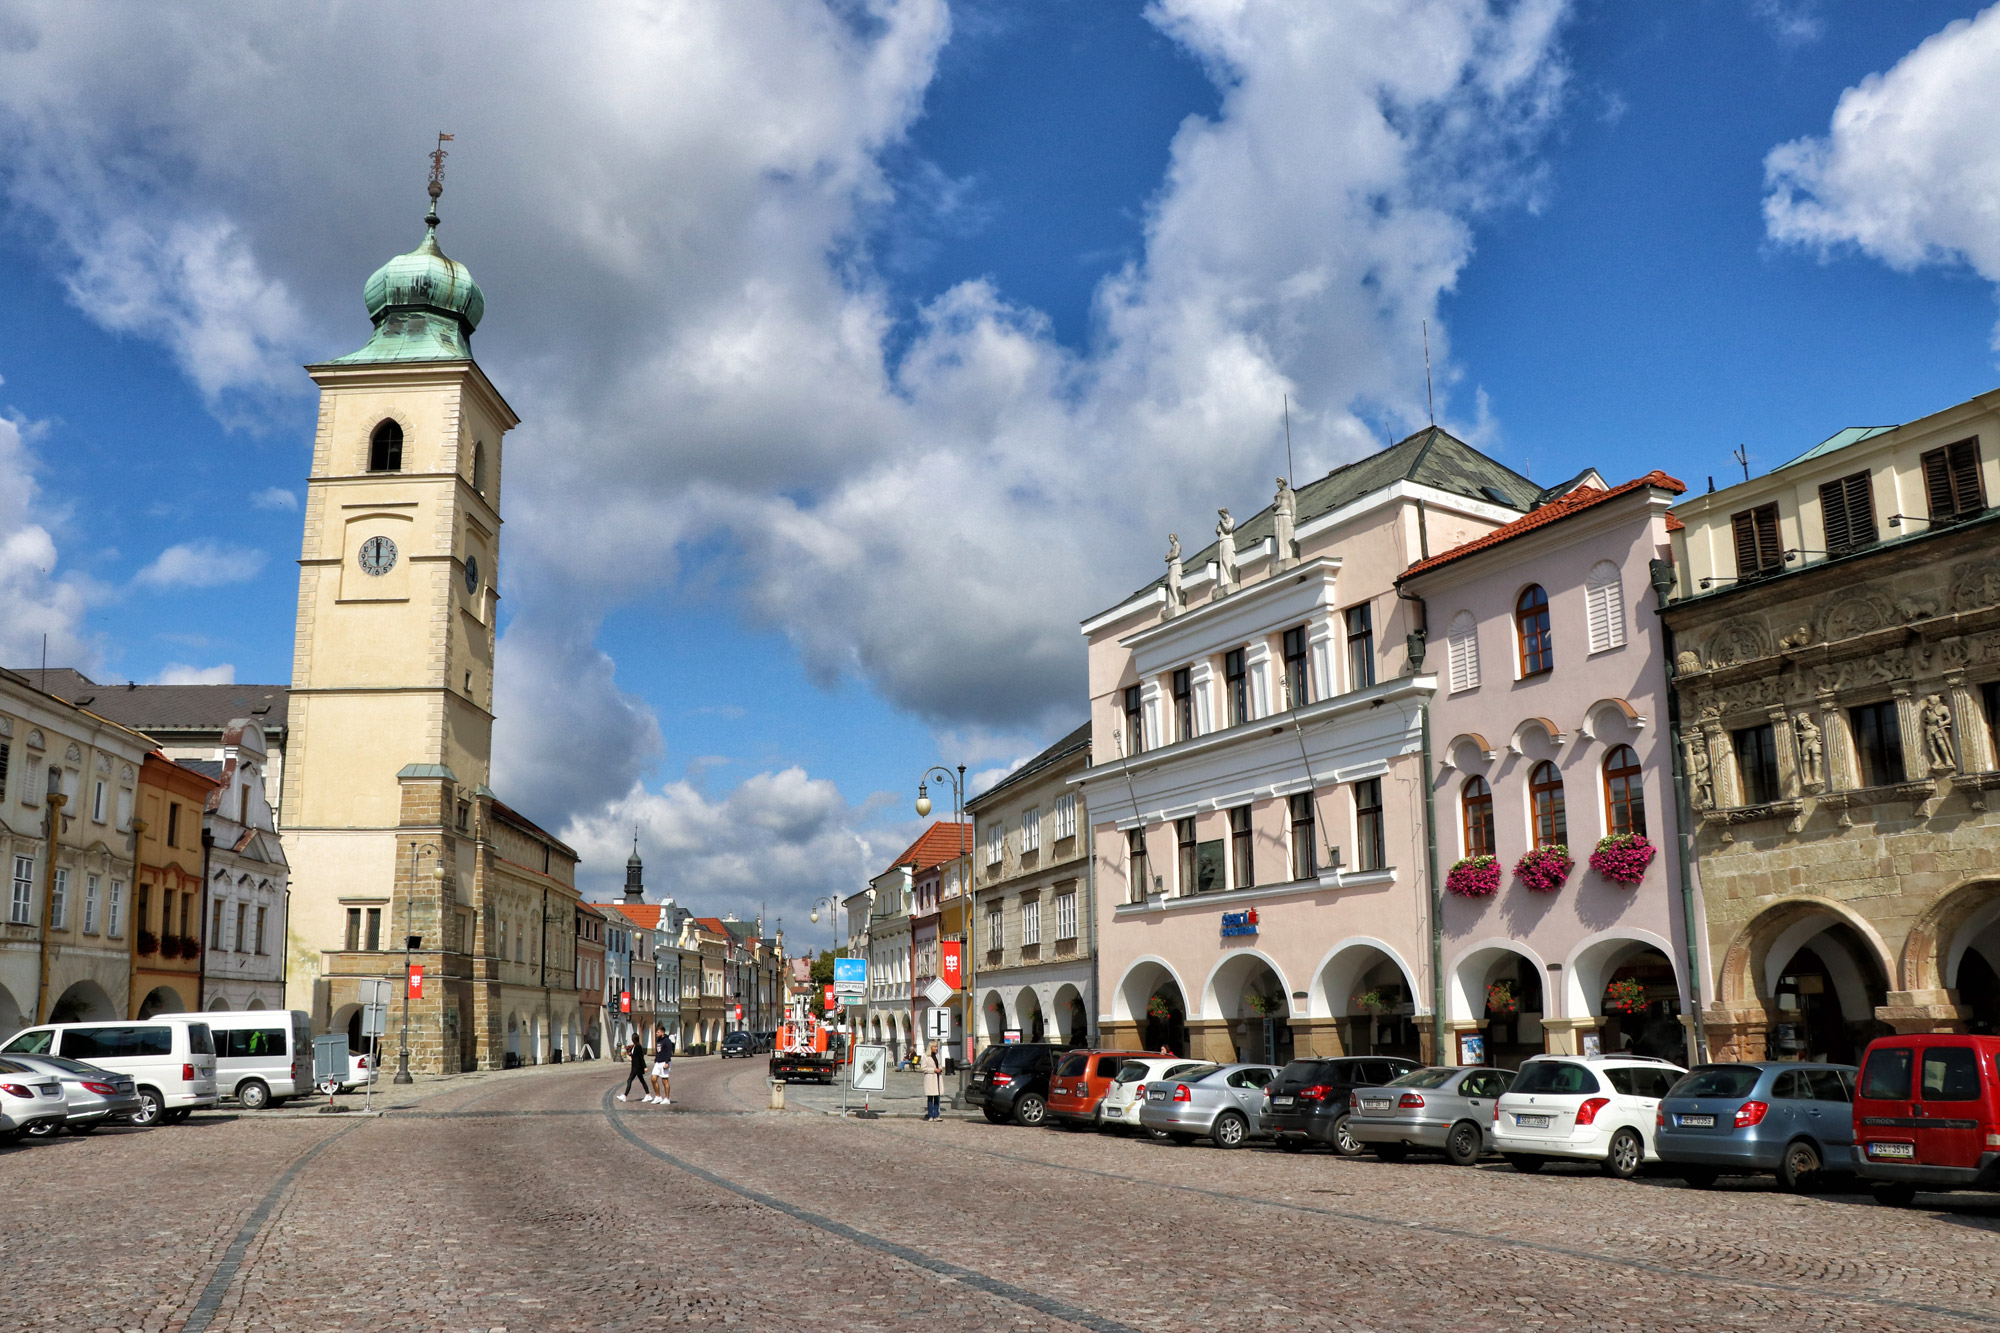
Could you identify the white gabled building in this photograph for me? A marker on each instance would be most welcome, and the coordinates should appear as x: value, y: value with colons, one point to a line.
x: 248, y: 878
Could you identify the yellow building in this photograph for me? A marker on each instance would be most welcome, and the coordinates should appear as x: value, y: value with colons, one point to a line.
x: 391, y: 827
x: 168, y: 909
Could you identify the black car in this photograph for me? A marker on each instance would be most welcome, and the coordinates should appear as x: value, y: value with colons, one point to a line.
x: 1012, y: 1082
x: 739, y: 1044
x: 1308, y: 1100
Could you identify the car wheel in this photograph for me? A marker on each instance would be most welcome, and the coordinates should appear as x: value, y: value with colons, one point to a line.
x: 1344, y: 1141
x: 44, y: 1129
x: 152, y: 1109
x: 1798, y: 1170
x: 993, y: 1117
x: 1289, y: 1144
x: 1230, y: 1130
x: 1896, y: 1194
x: 1627, y: 1151
x: 1462, y: 1145
x: 1699, y: 1177
x: 1030, y: 1109
x: 1524, y: 1163
x: 253, y: 1095
x: 1392, y: 1152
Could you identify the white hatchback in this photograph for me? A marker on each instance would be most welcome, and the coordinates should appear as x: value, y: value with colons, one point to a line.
x: 1596, y: 1108
x: 1127, y: 1094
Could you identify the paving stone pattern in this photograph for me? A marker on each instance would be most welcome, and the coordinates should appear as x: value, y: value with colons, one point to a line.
x: 514, y: 1202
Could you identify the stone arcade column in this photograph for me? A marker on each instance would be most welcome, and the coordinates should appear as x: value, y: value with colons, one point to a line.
x: 1915, y: 765
x: 1838, y: 738
x: 1789, y: 782
x: 1970, y: 725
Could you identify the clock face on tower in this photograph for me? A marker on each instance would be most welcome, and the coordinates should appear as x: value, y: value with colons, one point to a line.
x: 472, y: 573
x: 378, y: 555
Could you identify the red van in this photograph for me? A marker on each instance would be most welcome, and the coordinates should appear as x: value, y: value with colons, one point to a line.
x: 1927, y: 1115
x: 1081, y: 1080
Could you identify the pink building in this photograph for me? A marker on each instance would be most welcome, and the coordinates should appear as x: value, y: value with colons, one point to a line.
x: 1256, y: 788
x: 1550, y: 732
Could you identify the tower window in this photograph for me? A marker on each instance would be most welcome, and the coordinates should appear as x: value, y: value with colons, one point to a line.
x: 479, y: 467
x: 385, y: 448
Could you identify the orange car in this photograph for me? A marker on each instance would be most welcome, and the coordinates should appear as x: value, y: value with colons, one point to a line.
x: 1080, y: 1082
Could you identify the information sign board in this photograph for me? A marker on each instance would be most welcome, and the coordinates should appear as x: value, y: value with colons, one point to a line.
x: 871, y: 1068
x: 850, y: 976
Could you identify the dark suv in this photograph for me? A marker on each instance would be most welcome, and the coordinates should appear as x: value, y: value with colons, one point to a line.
x: 1308, y: 1099
x: 1012, y: 1082
x: 739, y: 1045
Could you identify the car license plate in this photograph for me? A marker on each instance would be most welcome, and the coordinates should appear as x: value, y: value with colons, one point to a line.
x: 1375, y: 1103
x: 1695, y: 1121
x: 1532, y: 1121
x: 1905, y: 1150
x: 1281, y: 1101
x: 1156, y: 1095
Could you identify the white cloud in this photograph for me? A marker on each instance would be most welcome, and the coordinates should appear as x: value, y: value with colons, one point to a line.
x: 201, y: 565
x: 274, y: 497
x: 35, y: 600
x: 1793, y: 22
x: 1909, y: 171
x: 668, y: 208
x: 179, y: 673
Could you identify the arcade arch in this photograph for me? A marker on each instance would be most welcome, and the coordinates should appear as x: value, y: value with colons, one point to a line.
x: 1372, y: 995
x: 1149, y: 996
x: 1497, y: 986
x: 82, y: 1002
x: 1816, y: 971
x: 1248, y: 993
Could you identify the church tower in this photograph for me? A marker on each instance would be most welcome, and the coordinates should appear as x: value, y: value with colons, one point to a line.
x: 635, y: 876
x: 392, y: 669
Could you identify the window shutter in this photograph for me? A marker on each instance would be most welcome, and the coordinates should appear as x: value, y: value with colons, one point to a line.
x: 1462, y: 651
x: 1604, y: 602
x: 1964, y: 460
x: 1833, y: 506
x: 1769, y: 556
x: 1937, y: 483
x: 1745, y: 530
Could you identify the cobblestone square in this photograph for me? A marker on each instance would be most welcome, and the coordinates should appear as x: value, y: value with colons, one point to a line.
x: 532, y: 1200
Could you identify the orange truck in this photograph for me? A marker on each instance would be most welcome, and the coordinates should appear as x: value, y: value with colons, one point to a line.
x: 807, y: 1048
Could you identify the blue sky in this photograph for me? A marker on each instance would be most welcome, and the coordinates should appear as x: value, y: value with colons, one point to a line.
x: 863, y: 351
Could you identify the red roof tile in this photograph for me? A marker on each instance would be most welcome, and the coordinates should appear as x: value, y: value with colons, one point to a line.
x: 1578, y: 500
x: 941, y: 842
x: 646, y: 915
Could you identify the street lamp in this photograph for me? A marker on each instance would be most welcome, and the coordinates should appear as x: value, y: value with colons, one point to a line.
x: 409, y: 943
x: 967, y: 904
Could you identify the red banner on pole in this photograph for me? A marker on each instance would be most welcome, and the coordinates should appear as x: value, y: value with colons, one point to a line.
x: 951, y: 964
x: 624, y: 1002
x: 416, y: 981
x: 829, y: 997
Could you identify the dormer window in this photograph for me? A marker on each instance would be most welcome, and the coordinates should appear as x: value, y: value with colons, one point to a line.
x: 385, y: 448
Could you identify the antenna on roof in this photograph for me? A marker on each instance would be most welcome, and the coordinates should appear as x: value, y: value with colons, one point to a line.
x: 1742, y: 456
x: 1290, y: 470
x: 1428, y: 398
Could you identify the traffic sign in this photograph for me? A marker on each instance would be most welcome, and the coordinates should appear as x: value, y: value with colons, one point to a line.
x: 871, y: 1068
x: 850, y: 976
x: 374, y: 1019
x: 937, y: 992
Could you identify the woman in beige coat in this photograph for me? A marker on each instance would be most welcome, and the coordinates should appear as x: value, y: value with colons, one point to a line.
x: 933, y: 1082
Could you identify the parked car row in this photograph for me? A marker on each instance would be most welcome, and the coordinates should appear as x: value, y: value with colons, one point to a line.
x: 1921, y: 1113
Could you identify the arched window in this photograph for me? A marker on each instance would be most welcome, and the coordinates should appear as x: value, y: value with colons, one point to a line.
x: 385, y: 448
x: 1604, y: 602
x: 1531, y: 623
x: 1462, y: 652
x: 1624, y: 798
x: 479, y: 467
x: 1477, y: 799
x: 1545, y: 801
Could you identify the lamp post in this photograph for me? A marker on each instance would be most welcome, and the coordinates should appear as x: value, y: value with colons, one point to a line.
x: 409, y: 943
x: 967, y: 904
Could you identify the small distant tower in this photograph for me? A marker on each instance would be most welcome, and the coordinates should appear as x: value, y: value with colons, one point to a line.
x: 635, y: 875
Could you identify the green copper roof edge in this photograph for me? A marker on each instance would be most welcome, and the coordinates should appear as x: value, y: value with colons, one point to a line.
x: 426, y: 771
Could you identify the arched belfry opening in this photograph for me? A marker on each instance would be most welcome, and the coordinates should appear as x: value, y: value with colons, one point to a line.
x: 385, y: 448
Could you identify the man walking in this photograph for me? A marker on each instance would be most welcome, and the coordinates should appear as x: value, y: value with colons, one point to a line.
x: 663, y: 1066
x: 638, y: 1070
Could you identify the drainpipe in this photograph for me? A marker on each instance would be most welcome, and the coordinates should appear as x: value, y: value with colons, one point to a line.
x: 1663, y: 581
x: 55, y: 800
x: 1414, y: 646
x: 1090, y: 915
x: 201, y: 968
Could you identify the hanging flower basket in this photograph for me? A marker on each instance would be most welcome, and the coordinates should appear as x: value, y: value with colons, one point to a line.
x: 1544, y: 869
x: 1623, y: 858
x: 149, y: 943
x: 190, y: 947
x: 1626, y: 997
x: 170, y: 946
x: 1266, y: 1004
x: 1501, y: 999
x: 1474, y: 877
x: 1374, y: 1002
x: 1158, y: 1008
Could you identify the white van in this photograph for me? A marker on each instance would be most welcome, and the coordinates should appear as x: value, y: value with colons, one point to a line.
x: 171, y: 1057
x: 262, y: 1056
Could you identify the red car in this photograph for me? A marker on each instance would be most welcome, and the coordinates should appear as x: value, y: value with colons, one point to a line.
x: 1080, y: 1082
x: 1927, y: 1115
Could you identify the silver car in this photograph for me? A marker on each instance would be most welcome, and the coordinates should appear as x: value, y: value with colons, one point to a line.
x: 1447, y: 1109
x: 1222, y: 1102
x: 91, y: 1095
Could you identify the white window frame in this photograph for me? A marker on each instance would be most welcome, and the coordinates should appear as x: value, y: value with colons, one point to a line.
x: 114, y: 910
x: 1461, y: 650
x: 59, y: 900
x: 1604, y: 607
x: 1031, y: 921
x: 1031, y: 829
x: 996, y: 927
x: 91, y: 884
x: 1065, y: 816
x: 97, y: 802
x: 218, y: 917
x: 996, y: 842
x: 1066, y: 915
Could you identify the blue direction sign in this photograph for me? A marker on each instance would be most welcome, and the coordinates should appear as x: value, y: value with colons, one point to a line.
x: 850, y: 977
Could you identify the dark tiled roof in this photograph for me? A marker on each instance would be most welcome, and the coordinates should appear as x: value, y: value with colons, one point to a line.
x: 1061, y: 750
x: 1432, y: 457
x: 208, y: 768
x: 155, y: 708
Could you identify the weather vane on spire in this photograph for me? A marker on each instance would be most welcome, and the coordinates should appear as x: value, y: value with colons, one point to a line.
x: 438, y: 155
